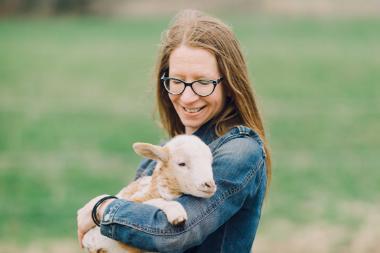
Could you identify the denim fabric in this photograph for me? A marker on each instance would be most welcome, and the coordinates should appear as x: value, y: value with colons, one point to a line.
x: 226, y: 222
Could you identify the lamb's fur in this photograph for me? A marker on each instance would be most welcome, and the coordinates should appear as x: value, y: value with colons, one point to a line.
x: 183, y: 167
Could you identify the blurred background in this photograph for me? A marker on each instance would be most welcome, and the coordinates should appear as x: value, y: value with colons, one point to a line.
x: 76, y: 91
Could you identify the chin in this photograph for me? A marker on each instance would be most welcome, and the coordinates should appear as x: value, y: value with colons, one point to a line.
x: 191, y: 125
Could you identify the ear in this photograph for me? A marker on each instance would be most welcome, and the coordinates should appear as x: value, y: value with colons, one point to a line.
x: 151, y: 151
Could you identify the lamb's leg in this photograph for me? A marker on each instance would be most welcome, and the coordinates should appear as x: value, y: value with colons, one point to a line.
x: 94, y: 241
x: 174, y: 211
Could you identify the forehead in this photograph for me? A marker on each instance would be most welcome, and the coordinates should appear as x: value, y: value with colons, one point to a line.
x: 189, y: 147
x: 193, y: 158
x: 186, y: 60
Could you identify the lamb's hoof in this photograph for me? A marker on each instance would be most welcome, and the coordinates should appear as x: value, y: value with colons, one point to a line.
x: 176, y: 214
x: 178, y: 220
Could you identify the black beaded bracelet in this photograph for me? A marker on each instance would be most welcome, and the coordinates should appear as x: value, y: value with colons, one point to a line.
x: 95, y: 208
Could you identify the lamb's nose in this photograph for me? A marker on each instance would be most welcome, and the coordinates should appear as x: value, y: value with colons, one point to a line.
x: 209, y: 185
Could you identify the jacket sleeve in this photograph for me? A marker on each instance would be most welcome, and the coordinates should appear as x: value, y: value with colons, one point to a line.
x: 143, y: 168
x: 238, y: 164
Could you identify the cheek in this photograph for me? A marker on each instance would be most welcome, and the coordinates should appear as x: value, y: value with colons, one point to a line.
x: 181, y: 174
x: 172, y: 102
x: 217, y: 104
x: 218, y: 98
x: 189, y: 179
x: 173, y: 99
x: 195, y: 178
x: 221, y: 95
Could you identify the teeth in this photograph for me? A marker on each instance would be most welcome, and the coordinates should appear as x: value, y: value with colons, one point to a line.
x: 192, y: 109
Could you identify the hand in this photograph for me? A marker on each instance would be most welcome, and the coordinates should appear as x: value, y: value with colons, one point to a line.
x: 84, y: 218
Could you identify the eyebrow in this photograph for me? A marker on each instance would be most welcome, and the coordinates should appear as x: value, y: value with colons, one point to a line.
x: 197, y: 77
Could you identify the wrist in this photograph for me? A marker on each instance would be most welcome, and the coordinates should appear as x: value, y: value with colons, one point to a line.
x: 102, y: 208
x: 95, y: 210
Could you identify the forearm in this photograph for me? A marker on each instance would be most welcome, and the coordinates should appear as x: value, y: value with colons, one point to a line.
x: 140, y: 225
x: 147, y: 227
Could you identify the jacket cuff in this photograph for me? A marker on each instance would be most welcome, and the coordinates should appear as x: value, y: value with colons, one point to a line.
x: 108, y: 217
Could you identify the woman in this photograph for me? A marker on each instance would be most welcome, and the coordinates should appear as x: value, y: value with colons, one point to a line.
x: 202, y: 89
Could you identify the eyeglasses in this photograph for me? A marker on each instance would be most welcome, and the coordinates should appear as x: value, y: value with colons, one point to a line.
x: 202, y: 88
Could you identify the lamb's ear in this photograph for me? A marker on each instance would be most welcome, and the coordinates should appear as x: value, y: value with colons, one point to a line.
x: 151, y: 151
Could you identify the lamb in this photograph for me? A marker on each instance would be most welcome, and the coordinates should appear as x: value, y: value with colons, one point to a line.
x: 183, y: 167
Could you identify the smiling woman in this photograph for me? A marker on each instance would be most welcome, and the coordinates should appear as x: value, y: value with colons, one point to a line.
x: 201, y: 52
x: 189, y: 63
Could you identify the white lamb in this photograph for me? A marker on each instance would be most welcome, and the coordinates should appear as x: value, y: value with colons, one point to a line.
x: 183, y: 167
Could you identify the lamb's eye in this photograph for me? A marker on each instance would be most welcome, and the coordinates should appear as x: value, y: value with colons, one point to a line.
x: 182, y: 164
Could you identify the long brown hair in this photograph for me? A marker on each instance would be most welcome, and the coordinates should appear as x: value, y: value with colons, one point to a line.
x: 195, y: 29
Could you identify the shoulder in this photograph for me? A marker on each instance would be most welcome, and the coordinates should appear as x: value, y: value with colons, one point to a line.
x: 239, y: 164
x: 239, y: 151
x: 145, y: 168
x: 241, y: 142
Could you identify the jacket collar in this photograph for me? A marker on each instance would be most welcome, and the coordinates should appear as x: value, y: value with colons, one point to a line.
x: 206, y: 132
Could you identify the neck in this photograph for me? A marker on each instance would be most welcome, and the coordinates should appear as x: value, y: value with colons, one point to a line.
x: 190, y: 130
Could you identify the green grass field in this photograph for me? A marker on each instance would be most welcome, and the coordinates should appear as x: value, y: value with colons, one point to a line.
x: 75, y: 93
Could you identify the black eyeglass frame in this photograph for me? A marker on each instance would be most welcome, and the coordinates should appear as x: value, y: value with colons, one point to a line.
x: 213, y: 82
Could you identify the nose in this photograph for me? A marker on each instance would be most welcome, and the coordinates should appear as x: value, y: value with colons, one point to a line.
x: 209, y: 186
x: 188, y: 96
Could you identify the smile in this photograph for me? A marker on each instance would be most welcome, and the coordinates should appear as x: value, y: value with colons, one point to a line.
x: 193, y: 110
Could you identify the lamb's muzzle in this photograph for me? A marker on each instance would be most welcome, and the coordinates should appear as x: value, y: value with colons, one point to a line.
x: 208, y: 187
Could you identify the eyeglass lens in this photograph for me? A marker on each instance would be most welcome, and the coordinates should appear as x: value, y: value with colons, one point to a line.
x: 202, y: 88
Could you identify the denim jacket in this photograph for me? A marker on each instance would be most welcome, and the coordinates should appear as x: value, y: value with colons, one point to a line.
x: 226, y: 222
